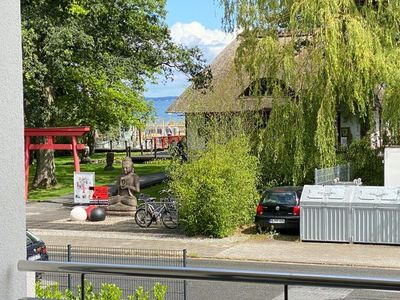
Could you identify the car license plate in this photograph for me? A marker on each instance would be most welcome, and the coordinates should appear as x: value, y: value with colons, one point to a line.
x: 34, y: 257
x: 276, y: 221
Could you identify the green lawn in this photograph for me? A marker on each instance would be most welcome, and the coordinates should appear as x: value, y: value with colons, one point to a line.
x: 65, y: 175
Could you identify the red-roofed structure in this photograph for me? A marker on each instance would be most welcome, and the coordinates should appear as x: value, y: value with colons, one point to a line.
x: 50, y: 133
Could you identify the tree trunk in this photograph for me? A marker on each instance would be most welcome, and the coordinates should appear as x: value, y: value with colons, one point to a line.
x: 91, y: 141
x: 45, y: 175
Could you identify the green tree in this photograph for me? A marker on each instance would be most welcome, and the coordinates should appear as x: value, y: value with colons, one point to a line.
x: 318, y: 56
x: 86, y: 63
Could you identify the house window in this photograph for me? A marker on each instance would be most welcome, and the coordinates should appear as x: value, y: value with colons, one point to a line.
x: 265, y: 87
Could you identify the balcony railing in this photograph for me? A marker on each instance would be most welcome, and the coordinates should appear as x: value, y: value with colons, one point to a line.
x: 216, y: 274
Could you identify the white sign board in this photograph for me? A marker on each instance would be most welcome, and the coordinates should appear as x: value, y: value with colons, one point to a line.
x: 392, y: 167
x: 83, y: 182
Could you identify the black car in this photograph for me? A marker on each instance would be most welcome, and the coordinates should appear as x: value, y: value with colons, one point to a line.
x: 279, y: 208
x: 35, y: 248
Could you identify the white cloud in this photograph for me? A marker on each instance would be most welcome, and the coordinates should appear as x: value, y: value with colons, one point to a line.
x: 210, y: 41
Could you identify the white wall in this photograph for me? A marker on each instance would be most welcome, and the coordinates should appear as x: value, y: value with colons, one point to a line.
x: 392, y: 167
x: 12, y: 204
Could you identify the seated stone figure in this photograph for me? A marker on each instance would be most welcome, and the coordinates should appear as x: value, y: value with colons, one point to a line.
x: 124, y: 203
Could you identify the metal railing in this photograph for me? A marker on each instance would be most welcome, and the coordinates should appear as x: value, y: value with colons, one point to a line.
x: 216, y: 274
x: 126, y: 256
x: 328, y: 175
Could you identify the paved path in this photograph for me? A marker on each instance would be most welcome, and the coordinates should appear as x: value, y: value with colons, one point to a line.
x: 50, y: 220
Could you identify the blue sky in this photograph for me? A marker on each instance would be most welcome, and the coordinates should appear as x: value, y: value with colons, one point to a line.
x: 207, y: 12
x: 192, y: 23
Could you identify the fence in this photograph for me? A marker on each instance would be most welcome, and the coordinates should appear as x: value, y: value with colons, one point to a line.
x: 329, y: 175
x: 214, y: 274
x: 145, y: 257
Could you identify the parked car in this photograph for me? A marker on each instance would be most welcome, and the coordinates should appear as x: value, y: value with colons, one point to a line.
x: 279, y: 208
x: 35, y: 247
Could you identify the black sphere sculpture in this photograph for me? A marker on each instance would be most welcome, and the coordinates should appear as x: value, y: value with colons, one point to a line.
x: 97, y: 214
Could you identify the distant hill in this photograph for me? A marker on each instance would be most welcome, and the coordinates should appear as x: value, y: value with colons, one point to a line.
x: 161, y: 104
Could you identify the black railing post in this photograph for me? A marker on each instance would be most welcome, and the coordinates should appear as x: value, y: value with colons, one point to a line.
x: 184, y: 265
x: 155, y: 147
x: 69, y: 259
x: 83, y: 286
x: 286, y: 292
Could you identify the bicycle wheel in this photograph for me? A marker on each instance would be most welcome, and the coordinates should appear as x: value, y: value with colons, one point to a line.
x: 143, y: 218
x: 170, y: 220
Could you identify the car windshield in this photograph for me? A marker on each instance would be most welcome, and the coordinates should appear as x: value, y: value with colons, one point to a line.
x: 282, y: 198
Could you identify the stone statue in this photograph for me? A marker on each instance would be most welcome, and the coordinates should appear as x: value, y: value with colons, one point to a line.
x: 85, y: 159
x: 127, y: 184
x: 110, y: 161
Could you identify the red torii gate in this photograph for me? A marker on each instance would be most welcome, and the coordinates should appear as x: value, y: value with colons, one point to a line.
x: 50, y: 133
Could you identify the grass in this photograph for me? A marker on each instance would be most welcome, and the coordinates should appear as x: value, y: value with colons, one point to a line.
x: 65, y: 175
x: 155, y: 190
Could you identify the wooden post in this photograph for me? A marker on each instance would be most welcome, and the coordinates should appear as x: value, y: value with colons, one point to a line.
x: 162, y: 142
x: 140, y: 142
x: 155, y: 147
x: 75, y: 153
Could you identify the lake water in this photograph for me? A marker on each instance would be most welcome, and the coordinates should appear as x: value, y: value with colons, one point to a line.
x: 161, y: 104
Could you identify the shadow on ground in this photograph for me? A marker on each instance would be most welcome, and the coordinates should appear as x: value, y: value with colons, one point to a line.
x: 281, y: 235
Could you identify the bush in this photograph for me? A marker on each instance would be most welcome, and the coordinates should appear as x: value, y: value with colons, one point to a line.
x: 107, y: 292
x: 217, y: 189
x: 365, y: 163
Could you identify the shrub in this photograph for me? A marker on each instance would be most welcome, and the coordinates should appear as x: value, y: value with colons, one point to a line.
x: 217, y: 189
x: 365, y: 162
x: 107, y: 292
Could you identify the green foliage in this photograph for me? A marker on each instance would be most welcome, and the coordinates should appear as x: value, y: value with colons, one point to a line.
x: 140, y: 294
x: 328, y: 55
x: 366, y: 163
x: 107, y: 292
x: 159, y: 291
x: 216, y: 187
x: 50, y: 291
x: 283, y: 147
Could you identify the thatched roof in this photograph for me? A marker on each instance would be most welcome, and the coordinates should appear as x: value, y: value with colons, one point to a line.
x: 227, y: 88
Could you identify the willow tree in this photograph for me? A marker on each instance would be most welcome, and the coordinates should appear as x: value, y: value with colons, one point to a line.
x: 331, y: 55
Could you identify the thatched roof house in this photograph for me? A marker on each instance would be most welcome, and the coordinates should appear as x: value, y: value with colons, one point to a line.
x: 227, y: 92
x: 230, y: 94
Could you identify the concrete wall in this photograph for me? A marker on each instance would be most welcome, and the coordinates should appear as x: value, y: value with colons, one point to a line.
x: 12, y: 204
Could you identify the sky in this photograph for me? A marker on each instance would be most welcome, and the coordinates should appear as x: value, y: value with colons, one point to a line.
x: 192, y: 23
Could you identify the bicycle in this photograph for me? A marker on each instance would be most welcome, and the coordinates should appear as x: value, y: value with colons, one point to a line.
x: 151, y: 211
